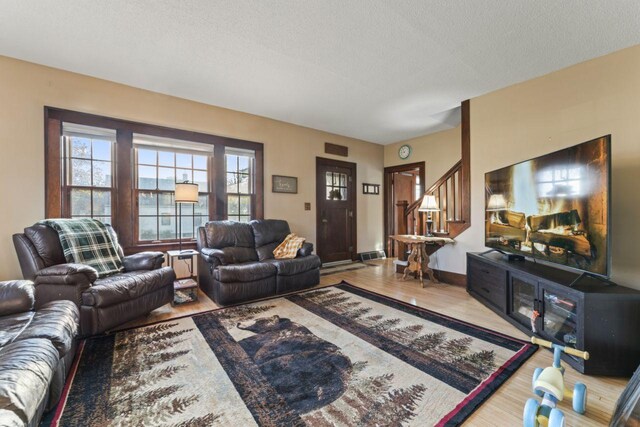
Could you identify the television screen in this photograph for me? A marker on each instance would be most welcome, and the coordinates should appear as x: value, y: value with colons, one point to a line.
x: 554, y: 207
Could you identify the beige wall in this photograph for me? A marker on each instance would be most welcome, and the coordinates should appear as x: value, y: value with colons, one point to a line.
x: 439, y: 151
x: 26, y: 88
x: 564, y: 108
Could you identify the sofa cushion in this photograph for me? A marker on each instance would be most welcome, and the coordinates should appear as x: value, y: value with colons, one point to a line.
x: 12, y: 325
x: 26, y: 368
x: 47, y: 243
x: 127, y: 286
x: 235, y: 239
x: 246, y: 272
x: 10, y: 419
x: 269, y: 233
x: 16, y: 296
x: 291, y: 267
x: 56, y: 321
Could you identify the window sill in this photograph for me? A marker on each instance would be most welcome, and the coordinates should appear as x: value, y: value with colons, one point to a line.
x: 160, y: 247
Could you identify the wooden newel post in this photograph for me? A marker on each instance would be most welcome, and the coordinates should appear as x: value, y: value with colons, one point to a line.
x: 401, y: 228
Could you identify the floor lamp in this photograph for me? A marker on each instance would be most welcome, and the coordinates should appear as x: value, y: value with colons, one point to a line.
x: 186, y: 192
x: 429, y: 205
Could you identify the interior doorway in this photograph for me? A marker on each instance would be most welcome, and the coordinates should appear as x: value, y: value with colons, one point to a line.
x: 336, y: 214
x: 403, y: 183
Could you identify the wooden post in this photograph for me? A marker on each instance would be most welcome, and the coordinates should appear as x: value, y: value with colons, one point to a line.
x: 401, y: 228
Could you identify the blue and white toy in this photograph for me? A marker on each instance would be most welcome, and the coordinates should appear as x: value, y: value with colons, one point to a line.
x: 548, y: 383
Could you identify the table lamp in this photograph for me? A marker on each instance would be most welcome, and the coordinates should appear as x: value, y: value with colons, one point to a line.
x: 429, y: 205
x: 186, y: 192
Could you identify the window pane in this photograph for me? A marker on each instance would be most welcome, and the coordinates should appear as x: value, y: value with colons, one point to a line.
x: 183, y: 160
x: 245, y: 205
x: 147, y: 157
x: 183, y: 175
x: 101, y: 150
x: 147, y: 177
x: 186, y: 209
x: 329, y: 178
x: 232, y: 183
x: 167, y: 204
x: 148, y: 228
x: 233, y: 217
x: 232, y: 163
x: 166, y: 158
x: 147, y: 203
x: 80, y: 202
x: 244, y: 219
x: 167, y: 227
x: 343, y: 194
x: 200, y: 162
x: 81, y: 172
x: 233, y: 206
x: 202, y: 207
x: 101, y: 203
x: 200, y: 178
x: 243, y: 184
x: 166, y: 179
x: 80, y: 147
x: 187, y: 227
x: 243, y: 164
x: 198, y: 221
x: 101, y: 174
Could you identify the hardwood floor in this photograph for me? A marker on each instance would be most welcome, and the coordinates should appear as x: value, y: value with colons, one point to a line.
x: 504, y: 407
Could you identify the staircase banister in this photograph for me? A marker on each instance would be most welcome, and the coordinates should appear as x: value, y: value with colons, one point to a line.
x: 448, y: 174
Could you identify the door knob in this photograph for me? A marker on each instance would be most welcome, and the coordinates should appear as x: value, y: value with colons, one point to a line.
x: 325, y: 220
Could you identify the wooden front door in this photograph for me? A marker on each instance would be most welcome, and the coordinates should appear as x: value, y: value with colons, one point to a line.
x: 336, y: 210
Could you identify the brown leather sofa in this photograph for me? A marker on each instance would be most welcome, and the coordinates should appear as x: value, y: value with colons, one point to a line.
x: 104, y: 303
x: 37, y: 347
x: 239, y: 266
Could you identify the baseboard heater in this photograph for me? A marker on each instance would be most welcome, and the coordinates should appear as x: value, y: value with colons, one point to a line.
x: 368, y: 256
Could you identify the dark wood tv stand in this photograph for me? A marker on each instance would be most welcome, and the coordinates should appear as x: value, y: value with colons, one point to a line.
x: 593, y: 315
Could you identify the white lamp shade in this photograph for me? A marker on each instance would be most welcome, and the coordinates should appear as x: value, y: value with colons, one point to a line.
x: 496, y: 203
x: 429, y: 204
x: 186, y: 192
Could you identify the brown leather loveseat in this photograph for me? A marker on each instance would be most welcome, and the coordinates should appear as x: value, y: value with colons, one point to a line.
x: 37, y: 347
x: 236, y: 261
x: 104, y: 303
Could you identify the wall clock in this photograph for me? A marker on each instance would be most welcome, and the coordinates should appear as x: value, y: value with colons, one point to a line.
x: 404, y: 152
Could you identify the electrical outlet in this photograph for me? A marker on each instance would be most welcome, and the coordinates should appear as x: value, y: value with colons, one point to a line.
x: 307, y: 206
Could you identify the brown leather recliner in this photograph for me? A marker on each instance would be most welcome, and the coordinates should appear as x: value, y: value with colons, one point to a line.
x: 104, y: 303
x: 37, y: 348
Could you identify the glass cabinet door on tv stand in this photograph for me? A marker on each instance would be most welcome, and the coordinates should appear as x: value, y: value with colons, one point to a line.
x: 559, y: 316
x: 522, y: 298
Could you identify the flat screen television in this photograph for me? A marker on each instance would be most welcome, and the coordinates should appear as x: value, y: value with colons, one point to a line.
x: 554, y: 207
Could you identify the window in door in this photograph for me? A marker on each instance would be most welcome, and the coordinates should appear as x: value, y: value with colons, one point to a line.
x: 336, y: 186
x: 240, y: 180
x: 160, y: 163
x: 89, y: 165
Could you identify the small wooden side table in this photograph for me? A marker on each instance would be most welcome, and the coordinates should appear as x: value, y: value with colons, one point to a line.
x: 185, y: 289
x: 418, y: 258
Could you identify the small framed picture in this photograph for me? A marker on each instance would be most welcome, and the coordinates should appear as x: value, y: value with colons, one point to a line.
x: 284, y: 184
x: 370, y: 188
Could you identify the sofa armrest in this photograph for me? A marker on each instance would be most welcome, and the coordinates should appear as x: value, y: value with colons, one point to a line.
x: 16, y: 296
x: 213, y: 256
x: 66, y: 274
x: 143, y: 261
x: 305, y: 250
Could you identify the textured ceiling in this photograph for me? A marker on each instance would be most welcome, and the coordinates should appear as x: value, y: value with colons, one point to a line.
x: 382, y: 71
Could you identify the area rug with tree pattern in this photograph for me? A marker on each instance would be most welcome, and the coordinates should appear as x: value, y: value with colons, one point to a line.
x: 334, y: 356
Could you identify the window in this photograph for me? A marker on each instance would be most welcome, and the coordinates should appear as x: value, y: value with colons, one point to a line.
x: 124, y: 173
x: 240, y: 184
x: 160, y: 164
x: 88, y: 178
x: 336, y: 185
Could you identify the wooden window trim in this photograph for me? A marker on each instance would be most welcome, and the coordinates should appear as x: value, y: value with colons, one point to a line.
x: 124, y: 192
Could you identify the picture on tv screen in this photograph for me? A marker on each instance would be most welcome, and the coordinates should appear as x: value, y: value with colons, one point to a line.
x: 554, y: 207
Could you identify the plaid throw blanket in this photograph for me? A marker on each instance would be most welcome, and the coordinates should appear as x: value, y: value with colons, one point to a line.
x: 288, y: 249
x: 87, y: 241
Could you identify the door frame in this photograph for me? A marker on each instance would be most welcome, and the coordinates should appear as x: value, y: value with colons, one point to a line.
x: 353, y: 201
x: 388, y: 197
